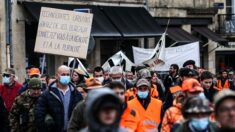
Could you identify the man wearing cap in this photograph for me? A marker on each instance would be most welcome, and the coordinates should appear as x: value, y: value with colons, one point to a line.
x: 173, y: 78
x: 196, y: 112
x: 9, y: 87
x: 33, y: 73
x: 149, y: 108
x: 224, y: 103
x: 191, y: 87
x: 22, y: 113
x: 146, y: 74
x: 58, y: 101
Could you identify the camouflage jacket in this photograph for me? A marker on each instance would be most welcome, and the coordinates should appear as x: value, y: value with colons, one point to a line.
x: 22, y: 114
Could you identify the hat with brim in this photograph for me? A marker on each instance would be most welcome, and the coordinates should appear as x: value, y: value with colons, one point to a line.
x: 34, y: 71
x: 222, y: 95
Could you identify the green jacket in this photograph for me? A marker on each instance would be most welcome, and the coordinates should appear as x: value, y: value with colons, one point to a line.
x: 21, y: 115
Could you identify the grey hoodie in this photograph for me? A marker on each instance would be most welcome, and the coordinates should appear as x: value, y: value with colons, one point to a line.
x: 95, y: 100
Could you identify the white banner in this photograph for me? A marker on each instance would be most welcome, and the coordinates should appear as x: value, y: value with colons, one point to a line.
x: 173, y: 55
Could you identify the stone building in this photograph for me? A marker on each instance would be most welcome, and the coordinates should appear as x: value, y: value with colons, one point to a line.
x: 190, y: 20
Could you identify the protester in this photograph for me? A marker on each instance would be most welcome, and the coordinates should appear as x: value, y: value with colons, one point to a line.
x: 190, y: 64
x: 22, y: 113
x: 196, y: 112
x: 10, y: 87
x: 130, y: 77
x: 44, y: 79
x: 173, y: 114
x: 143, y: 73
x: 98, y: 74
x: 78, y: 120
x: 78, y: 77
x: 82, y: 88
x: 130, y: 118
x: 33, y: 73
x: 173, y: 78
x: 223, y: 82
x: 149, y: 108
x: 116, y: 74
x: 58, y: 102
x: 184, y: 73
x: 206, y: 81
x: 103, y: 111
x: 4, y: 126
x: 224, y: 103
x: 156, y: 81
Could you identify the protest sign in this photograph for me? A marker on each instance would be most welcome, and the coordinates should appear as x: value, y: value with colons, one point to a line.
x: 173, y: 55
x: 63, y: 32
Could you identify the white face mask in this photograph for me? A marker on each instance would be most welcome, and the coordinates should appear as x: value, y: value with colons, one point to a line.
x: 100, y: 79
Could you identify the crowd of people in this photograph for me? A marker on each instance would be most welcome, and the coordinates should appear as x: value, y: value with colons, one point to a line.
x: 188, y: 99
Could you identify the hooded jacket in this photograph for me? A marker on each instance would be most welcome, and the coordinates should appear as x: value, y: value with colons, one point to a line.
x: 95, y: 100
x: 50, y: 103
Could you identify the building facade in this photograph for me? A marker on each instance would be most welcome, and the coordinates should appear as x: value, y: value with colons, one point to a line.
x: 184, y: 14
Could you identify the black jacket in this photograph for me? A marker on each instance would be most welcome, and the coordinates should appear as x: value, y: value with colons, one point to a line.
x: 4, y: 123
x: 50, y: 103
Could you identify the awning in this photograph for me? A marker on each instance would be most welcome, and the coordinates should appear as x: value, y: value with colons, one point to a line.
x: 110, y: 21
x: 101, y: 26
x: 206, y: 32
x: 133, y: 21
x: 179, y: 35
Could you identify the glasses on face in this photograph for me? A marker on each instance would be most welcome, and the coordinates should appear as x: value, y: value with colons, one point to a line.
x: 6, y: 75
x: 227, y: 109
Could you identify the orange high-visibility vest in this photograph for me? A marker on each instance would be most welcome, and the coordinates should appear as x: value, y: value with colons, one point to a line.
x: 151, y: 117
x: 130, y: 119
x: 220, y: 87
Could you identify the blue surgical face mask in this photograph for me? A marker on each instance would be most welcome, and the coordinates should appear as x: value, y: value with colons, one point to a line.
x: 200, y: 124
x: 6, y: 80
x: 143, y: 95
x: 64, y: 80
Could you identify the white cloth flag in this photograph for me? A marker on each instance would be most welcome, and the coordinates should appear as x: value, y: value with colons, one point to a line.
x: 78, y: 65
x: 118, y: 59
x: 177, y: 55
x: 158, y: 54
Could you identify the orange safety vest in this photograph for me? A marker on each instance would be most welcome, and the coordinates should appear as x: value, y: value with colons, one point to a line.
x: 220, y: 87
x: 149, y: 118
x: 131, y: 93
x: 172, y: 115
x: 130, y: 119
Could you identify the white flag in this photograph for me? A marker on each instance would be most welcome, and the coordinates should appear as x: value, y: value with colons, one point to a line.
x: 78, y: 65
x: 158, y: 55
x: 118, y: 59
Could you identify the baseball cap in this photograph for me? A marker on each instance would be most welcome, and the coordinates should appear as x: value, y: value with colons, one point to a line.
x: 91, y: 83
x: 191, y: 85
x: 143, y: 82
x: 35, y: 83
x: 34, y: 71
x: 222, y: 95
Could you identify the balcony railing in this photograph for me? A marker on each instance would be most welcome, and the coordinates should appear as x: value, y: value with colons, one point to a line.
x: 226, y: 24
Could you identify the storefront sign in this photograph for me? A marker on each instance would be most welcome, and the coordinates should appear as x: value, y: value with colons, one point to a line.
x: 63, y: 32
x: 173, y: 55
